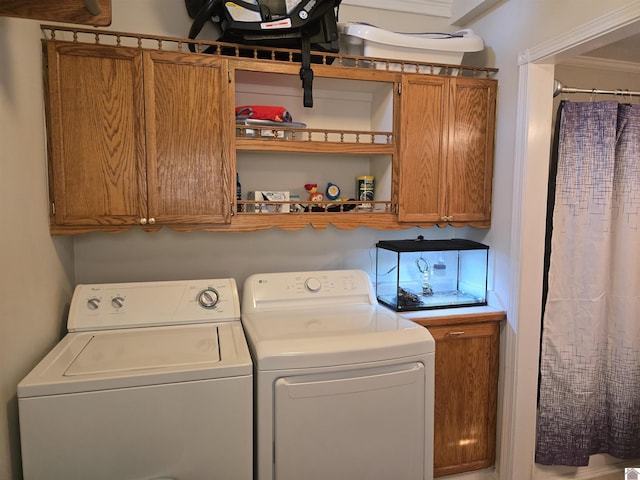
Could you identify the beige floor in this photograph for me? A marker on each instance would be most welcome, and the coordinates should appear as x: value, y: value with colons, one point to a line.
x: 614, y: 476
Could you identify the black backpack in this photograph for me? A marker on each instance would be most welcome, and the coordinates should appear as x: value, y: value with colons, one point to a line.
x: 301, y: 24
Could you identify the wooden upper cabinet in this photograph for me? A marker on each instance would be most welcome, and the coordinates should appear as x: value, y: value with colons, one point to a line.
x: 187, y: 135
x: 446, y: 150
x: 96, y: 134
x: 141, y: 132
x: 136, y: 137
x: 87, y: 12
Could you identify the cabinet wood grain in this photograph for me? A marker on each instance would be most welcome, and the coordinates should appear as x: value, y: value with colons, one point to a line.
x: 469, y: 164
x: 466, y: 384
x: 136, y: 138
x: 466, y: 375
x: 87, y: 12
x: 188, y: 152
x: 446, y: 150
x: 146, y: 136
x: 96, y: 132
x: 423, y: 148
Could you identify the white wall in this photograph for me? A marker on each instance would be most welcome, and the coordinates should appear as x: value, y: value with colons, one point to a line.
x: 510, y: 30
x: 137, y: 255
x: 31, y: 322
x: 38, y: 270
x: 36, y: 277
x: 170, y: 17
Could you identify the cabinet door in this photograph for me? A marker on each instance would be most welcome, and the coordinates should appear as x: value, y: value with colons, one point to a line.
x: 188, y: 138
x: 466, y: 373
x: 96, y: 135
x: 423, y: 137
x: 469, y: 164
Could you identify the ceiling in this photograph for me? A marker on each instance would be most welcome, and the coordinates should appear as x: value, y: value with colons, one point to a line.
x: 625, y: 50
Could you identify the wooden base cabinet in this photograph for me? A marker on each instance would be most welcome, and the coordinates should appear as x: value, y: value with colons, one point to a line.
x: 466, y: 377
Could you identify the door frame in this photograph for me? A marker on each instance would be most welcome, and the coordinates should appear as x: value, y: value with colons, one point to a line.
x: 532, y: 147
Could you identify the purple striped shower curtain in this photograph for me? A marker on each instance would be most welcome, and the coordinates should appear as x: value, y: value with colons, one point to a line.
x: 589, y: 394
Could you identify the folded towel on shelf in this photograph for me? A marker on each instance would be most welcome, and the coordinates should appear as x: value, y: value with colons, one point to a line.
x: 263, y: 112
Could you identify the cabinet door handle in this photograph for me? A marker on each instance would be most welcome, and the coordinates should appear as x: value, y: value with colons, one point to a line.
x: 143, y: 221
x: 461, y: 332
x: 152, y: 221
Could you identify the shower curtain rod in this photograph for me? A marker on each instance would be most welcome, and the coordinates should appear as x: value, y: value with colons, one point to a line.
x: 559, y: 88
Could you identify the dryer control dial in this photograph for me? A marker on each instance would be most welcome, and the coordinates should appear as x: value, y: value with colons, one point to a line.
x: 208, y: 298
x: 313, y: 284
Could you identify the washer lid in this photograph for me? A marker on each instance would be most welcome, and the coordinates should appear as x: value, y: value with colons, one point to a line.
x: 103, y: 360
x: 123, y: 351
x: 347, y: 334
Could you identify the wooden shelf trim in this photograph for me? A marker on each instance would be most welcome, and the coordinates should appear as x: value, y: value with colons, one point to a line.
x: 263, y: 207
x: 281, y: 145
x: 321, y: 136
x: 246, y: 222
x: 255, y: 53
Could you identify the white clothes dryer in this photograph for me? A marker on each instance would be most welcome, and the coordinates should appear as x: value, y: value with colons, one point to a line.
x: 344, y: 386
x: 153, y: 380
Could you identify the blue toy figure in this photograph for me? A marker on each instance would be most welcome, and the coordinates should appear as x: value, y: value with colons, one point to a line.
x: 333, y: 191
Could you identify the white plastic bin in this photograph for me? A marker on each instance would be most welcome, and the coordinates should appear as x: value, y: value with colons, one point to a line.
x: 369, y: 41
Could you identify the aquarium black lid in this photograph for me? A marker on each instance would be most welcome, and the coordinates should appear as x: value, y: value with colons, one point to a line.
x: 420, y: 244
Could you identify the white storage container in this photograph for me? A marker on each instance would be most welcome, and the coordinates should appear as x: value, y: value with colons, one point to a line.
x: 370, y: 41
x: 268, y: 197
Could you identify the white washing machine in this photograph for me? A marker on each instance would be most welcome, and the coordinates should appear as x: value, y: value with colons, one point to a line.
x: 344, y: 387
x: 153, y: 380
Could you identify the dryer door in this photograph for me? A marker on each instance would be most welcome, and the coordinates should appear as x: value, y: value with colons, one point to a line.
x: 367, y: 423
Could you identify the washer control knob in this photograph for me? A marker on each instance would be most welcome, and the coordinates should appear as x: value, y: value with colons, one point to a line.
x: 312, y: 284
x: 93, y: 303
x: 208, y: 298
x: 117, y: 302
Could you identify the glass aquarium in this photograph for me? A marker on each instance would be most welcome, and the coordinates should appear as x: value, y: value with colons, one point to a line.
x: 428, y: 274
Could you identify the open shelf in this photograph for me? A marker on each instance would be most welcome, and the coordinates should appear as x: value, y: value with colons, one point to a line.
x: 286, y: 139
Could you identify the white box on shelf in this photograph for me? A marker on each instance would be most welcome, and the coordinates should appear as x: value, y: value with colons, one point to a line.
x: 268, y: 197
